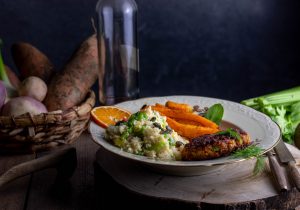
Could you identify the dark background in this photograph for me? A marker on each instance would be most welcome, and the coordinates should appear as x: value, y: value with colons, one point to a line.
x: 230, y: 49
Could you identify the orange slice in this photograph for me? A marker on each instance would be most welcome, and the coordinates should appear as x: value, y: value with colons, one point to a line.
x: 108, y: 115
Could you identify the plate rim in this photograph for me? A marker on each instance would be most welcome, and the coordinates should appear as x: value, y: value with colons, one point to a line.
x: 159, y: 162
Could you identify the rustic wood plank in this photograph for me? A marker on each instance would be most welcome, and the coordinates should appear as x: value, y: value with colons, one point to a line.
x: 13, y: 195
x: 78, y: 193
x: 234, y: 188
x: 107, y: 188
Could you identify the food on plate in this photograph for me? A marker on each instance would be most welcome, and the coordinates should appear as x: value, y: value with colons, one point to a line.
x: 147, y: 133
x: 186, y: 123
x: 109, y: 115
x: 31, y: 62
x: 70, y: 86
x: 190, y: 131
x: 214, y: 113
x: 21, y: 105
x: 34, y: 87
x: 215, y: 145
x: 172, y: 133
x: 179, y: 106
x: 178, y: 114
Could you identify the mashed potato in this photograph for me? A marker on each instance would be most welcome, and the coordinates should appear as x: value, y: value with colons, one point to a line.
x: 147, y: 133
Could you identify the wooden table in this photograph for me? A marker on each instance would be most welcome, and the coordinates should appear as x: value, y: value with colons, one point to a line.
x: 37, y: 191
x: 89, y: 188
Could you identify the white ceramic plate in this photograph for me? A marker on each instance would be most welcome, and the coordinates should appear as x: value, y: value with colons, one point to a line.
x: 259, y: 126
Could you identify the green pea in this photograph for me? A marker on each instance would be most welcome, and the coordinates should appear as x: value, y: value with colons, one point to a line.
x: 141, y: 116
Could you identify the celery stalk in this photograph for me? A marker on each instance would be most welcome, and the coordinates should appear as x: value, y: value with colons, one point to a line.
x: 284, y: 97
x: 283, y: 107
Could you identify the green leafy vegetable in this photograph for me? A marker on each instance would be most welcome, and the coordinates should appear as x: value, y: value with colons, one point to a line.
x: 231, y: 133
x: 252, y: 151
x: 215, y: 113
x: 283, y: 107
x: 3, y: 76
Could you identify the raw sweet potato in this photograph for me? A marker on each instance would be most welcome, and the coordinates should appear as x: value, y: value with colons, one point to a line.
x: 70, y: 86
x: 31, y: 62
x: 13, y: 78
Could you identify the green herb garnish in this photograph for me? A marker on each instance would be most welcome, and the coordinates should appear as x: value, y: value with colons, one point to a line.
x: 259, y: 165
x: 252, y: 151
x: 215, y: 149
x: 231, y: 133
x: 215, y: 113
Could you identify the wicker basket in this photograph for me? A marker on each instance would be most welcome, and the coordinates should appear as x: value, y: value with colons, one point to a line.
x: 30, y: 133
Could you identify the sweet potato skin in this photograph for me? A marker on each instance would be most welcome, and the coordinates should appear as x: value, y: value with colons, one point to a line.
x: 70, y: 86
x: 31, y: 61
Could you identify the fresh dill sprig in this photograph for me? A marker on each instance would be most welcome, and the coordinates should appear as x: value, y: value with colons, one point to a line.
x: 232, y: 133
x: 259, y: 165
x: 252, y: 151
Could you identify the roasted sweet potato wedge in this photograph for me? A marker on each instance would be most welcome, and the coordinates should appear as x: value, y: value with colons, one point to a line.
x: 187, y: 122
x: 178, y: 106
x: 178, y: 114
x: 190, y: 131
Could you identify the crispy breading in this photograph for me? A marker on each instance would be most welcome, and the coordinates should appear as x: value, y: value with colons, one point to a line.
x: 213, y: 146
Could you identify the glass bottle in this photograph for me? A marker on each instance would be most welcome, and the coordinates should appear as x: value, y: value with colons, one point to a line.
x: 118, y: 51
